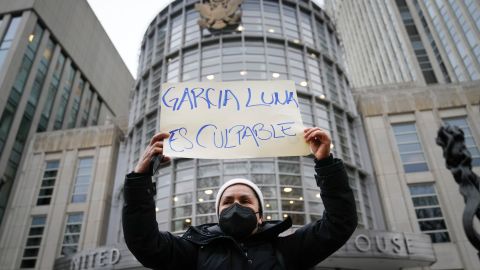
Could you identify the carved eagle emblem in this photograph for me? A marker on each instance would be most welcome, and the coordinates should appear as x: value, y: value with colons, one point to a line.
x: 217, y: 14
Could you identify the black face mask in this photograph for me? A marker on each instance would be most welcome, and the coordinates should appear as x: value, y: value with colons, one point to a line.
x: 238, y: 221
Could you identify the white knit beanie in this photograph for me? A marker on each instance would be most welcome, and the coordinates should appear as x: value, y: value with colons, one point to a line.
x: 243, y: 182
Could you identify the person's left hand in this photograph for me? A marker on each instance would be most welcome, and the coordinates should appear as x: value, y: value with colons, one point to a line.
x: 319, y: 141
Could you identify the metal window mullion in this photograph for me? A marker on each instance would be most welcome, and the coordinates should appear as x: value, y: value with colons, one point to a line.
x: 432, y: 219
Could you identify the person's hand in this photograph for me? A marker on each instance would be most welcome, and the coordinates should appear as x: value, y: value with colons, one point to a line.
x: 155, y: 148
x: 319, y: 141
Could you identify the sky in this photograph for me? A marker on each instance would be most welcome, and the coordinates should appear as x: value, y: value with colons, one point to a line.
x: 125, y: 22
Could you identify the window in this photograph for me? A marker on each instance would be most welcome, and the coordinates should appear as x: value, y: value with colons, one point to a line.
x: 277, y: 60
x: 176, y: 32
x: 313, y: 68
x: 96, y: 111
x: 323, y: 117
x: 52, y: 92
x: 251, y: 17
x: 34, y: 240
x: 322, y: 36
x: 48, y: 182
x: 138, y: 144
x: 354, y: 185
x: 312, y: 192
x: 67, y: 88
x: 155, y: 89
x: 77, y: 95
x: 342, y: 135
x: 232, y: 68
x: 161, y: 33
x: 163, y: 197
x: 31, y: 106
x: 150, y: 128
x: 206, y: 192
x: 366, y: 201
x: 290, y: 23
x: 190, y: 66
x: 263, y: 174
x: 306, y: 111
x: 298, y: 74
x: 272, y: 19
x: 306, y: 25
x: 143, y: 98
x: 291, y: 189
x: 428, y: 212
x: 462, y: 123
x: 331, y: 82
x: 255, y: 61
x: 182, y: 209
x: 409, y: 146
x: 71, y: 237
x: 82, y: 180
x: 210, y: 62
x: 18, y: 86
x: 148, y: 51
x: 87, y: 103
x: 8, y: 39
x: 192, y: 32
x: 173, y: 69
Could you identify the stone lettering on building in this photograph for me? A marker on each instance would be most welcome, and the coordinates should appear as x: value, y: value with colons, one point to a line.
x: 95, y: 259
x: 389, y: 244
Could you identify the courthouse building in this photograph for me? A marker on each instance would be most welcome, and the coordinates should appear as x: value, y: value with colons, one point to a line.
x: 58, y: 71
x: 415, y: 65
x: 275, y: 40
x: 409, y: 208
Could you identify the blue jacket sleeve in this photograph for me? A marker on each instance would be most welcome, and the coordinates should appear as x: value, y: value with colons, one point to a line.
x: 317, y: 240
x: 152, y: 248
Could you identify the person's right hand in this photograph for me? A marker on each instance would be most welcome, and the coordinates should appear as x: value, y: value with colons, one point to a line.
x: 155, y: 148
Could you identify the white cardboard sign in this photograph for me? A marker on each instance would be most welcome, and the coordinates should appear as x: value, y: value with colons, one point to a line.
x: 226, y: 120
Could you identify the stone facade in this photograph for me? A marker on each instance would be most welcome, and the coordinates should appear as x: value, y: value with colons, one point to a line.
x: 427, y: 107
x: 101, y: 145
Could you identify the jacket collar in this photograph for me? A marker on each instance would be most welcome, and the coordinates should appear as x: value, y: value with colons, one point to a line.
x: 204, y: 234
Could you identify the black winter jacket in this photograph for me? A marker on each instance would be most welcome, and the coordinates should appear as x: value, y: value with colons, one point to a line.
x: 207, y: 247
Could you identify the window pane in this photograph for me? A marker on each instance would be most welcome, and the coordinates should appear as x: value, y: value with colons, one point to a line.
x: 290, y: 180
x: 408, y: 143
x: 411, y: 168
x: 421, y: 189
x: 429, y: 214
x: 71, y: 236
x: 208, y: 182
x: 206, y: 208
x: 439, y: 237
x: 423, y: 201
x: 82, y: 180
x: 432, y: 225
x: 263, y: 179
x: 293, y: 205
x: 288, y: 168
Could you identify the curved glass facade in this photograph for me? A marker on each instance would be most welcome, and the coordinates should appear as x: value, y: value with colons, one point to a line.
x: 276, y: 40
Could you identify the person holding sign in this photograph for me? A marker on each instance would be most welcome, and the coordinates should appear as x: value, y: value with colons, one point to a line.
x: 242, y: 239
